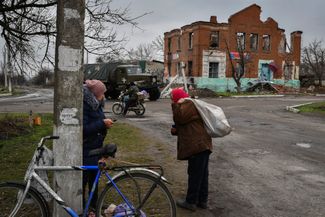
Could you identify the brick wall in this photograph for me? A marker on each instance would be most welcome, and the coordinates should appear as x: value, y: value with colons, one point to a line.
x: 247, y: 22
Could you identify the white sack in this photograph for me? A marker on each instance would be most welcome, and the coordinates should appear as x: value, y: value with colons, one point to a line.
x: 213, y: 117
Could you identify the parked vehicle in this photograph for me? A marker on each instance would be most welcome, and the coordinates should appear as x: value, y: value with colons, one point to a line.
x: 117, y: 75
x: 138, y: 108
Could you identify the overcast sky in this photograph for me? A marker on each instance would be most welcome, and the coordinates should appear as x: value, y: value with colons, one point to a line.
x: 291, y: 15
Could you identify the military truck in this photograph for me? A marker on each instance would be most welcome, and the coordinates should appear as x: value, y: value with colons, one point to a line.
x: 117, y: 75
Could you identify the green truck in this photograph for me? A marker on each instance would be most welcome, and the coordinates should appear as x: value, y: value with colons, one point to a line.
x: 117, y: 75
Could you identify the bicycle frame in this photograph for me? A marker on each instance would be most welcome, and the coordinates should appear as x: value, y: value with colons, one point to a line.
x: 32, y: 175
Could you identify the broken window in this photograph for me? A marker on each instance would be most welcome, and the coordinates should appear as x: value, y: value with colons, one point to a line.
x: 213, y: 69
x: 179, y: 42
x: 241, y: 41
x: 288, y: 70
x: 169, y: 69
x: 282, y: 45
x: 190, y: 41
x: 169, y: 44
x: 190, y: 66
x: 214, y: 40
x: 179, y: 67
x: 253, y: 41
x: 266, y: 42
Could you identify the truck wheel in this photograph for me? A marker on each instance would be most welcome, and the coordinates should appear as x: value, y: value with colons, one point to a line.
x: 154, y: 94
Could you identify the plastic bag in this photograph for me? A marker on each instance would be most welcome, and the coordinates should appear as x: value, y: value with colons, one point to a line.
x: 214, y: 119
x: 123, y: 210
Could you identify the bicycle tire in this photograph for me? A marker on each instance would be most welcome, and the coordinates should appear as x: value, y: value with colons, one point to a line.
x: 141, y: 110
x: 159, y: 204
x: 33, y: 205
x: 117, y: 108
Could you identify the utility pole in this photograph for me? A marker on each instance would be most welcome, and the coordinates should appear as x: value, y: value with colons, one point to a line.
x: 5, y: 67
x: 68, y: 102
x: 9, y: 69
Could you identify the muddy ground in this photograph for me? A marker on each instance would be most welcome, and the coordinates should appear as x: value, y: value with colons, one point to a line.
x: 271, y: 165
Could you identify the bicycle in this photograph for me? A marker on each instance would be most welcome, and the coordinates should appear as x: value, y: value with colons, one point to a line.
x: 135, y: 190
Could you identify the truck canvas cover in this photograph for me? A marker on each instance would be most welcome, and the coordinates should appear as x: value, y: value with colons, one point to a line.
x: 99, y: 71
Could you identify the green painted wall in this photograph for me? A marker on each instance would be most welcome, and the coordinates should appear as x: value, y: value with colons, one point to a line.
x: 228, y: 84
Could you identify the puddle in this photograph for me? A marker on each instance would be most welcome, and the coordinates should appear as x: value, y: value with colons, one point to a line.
x: 297, y: 169
x: 315, y: 178
x: 257, y: 151
x: 303, y: 145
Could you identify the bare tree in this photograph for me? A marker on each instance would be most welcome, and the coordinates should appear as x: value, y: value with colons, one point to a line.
x: 158, y: 45
x: 239, y: 64
x: 141, y: 52
x: 114, y: 56
x: 29, y: 29
x: 24, y: 25
x: 313, y: 56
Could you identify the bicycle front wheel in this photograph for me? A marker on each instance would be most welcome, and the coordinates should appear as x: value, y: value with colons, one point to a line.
x: 32, y: 206
x: 137, y: 190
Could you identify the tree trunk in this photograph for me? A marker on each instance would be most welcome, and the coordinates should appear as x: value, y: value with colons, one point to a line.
x: 238, y: 88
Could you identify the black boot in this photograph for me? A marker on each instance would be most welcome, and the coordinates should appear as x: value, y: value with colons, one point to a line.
x: 185, y: 205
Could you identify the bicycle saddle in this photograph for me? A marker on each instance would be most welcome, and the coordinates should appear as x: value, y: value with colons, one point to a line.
x: 105, y: 151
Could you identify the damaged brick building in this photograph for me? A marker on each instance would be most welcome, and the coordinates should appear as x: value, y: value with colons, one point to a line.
x: 210, y: 50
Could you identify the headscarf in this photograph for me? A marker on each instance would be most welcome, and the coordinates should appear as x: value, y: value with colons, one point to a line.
x: 178, y: 94
x: 97, y: 87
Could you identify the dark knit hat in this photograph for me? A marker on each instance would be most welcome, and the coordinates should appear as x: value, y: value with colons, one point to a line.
x: 96, y: 87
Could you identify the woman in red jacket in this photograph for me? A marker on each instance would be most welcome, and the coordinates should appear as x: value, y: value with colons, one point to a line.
x: 194, y: 144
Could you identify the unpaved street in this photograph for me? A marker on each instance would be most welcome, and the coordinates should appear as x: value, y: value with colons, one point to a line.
x: 272, y: 164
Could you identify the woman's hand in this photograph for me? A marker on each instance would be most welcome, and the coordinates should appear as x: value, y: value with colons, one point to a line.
x: 108, y: 122
x: 173, y: 130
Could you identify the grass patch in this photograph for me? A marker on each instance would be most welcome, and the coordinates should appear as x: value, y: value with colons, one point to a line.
x: 15, y: 91
x: 131, y: 143
x: 17, y: 149
x: 318, y: 107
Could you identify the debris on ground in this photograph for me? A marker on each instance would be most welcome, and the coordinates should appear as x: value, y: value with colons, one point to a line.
x: 262, y: 86
x: 202, y: 92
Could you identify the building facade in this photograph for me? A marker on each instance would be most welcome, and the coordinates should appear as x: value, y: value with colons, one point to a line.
x: 211, y: 50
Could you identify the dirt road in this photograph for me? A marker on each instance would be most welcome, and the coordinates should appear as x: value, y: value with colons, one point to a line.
x: 272, y: 164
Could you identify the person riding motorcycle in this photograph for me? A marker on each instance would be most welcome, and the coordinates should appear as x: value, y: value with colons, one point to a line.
x: 132, y: 92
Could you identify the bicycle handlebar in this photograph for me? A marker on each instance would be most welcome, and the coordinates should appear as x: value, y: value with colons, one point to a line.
x: 43, y: 139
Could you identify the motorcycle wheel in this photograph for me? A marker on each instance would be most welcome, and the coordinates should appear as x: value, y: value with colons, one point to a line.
x: 140, y: 109
x: 117, y: 108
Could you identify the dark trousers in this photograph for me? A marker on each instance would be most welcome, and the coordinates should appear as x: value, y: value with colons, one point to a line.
x: 88, y: 180
x: 130, y: 102
x: 198, y: 174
